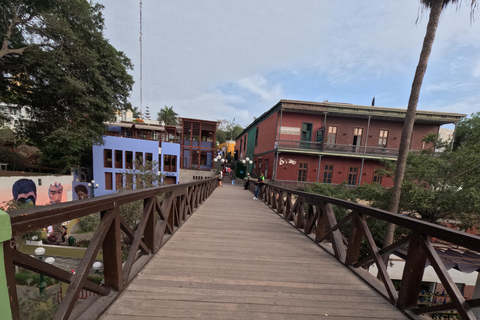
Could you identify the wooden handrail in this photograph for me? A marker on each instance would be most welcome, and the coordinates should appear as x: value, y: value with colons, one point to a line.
x: 313, y: 215
x: 158, y: 221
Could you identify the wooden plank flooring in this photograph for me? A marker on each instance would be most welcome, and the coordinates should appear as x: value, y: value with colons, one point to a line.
x: 236, y: 259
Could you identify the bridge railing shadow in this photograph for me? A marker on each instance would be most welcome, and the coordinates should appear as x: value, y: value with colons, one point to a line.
x: 314, y: 215
x: 162, y: 211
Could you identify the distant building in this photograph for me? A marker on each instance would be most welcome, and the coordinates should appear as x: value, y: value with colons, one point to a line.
x: 189, y: 145
x: 226, y: 148
x: 197, y: 143
x: 299, y: 141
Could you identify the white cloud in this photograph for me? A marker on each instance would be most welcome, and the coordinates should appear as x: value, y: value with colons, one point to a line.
x: 193, y: 49
x: 476, y: 70
x: 258, y: 85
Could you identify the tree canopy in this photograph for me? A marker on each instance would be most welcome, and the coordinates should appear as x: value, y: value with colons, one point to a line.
x: 467, y: 131
x: 168, y: 116
x: 56, y: 63
x: 438, y: 186
x: 228, y: 130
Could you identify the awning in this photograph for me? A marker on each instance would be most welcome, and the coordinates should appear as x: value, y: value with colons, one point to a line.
x: 459, y: 258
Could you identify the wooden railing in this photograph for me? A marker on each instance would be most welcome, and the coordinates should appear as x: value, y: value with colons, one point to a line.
x: 314, y: 215
x: 165, y: 209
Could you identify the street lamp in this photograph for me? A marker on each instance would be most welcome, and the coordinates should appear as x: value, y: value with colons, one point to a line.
x: 96, y: 266
x: 39, y: 252
x: 94, y: 186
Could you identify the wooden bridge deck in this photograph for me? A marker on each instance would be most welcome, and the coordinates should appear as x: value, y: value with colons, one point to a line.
x: 236, y: 259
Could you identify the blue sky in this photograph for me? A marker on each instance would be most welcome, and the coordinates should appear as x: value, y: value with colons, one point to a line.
x: 225, y: 59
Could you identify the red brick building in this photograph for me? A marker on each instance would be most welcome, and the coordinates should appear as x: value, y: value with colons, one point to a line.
x: 299, y: 141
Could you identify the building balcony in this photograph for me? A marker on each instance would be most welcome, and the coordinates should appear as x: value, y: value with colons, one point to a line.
x: 327, y: 148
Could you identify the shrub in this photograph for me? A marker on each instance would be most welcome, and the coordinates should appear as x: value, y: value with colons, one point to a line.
x: 89, y: 223
x: 95, y: 278
x: 83, y: 243
x: 33, y: 235
x: 30, y: 278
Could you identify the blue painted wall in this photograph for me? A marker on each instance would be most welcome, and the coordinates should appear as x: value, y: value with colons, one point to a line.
x: 128, y: 144
x: 169, y: 148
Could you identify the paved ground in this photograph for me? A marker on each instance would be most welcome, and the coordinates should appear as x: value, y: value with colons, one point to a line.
x: 236, y: 259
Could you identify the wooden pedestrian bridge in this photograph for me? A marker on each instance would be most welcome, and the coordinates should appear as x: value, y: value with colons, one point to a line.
x: 205, y: 252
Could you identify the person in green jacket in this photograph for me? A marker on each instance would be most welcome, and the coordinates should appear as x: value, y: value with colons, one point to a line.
x: 260, y: 182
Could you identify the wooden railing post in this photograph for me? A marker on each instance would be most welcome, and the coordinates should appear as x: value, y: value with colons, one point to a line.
x: 354, y: 241
x: 412, y: 274
x: 112, y: 254
x: 7, y: 271
x: 280, y: 202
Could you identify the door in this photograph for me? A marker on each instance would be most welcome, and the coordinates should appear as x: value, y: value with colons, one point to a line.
x: 357, y: 139
x: 306, y: 135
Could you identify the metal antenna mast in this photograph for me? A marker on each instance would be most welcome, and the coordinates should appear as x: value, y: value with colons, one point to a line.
x: 141, y: 58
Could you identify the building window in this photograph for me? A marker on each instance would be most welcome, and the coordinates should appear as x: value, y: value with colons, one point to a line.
x: 118, y: 181
x: 266, y: 168
x: 382, y: 140
x: 327, y: 173
x: 352, y: 176
x: 255, y: 168
x: 148, y: 157
x: 256, y: 137
x: 139, y: 158
x: 203, y: 158
x: 195, y: 154
x: 118, y: 159
x: 377, y: 177
x: 302, y: 171
x: 260, y: 165
x: 107, y: 158
x: 169, y: 163
x: 245, y: 143
x: 332, y: 135
x: 108, y: 181
x: 128, y: 160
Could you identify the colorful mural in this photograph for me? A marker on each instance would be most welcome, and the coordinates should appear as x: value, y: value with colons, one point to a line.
x: 34, y: 190
x: 81, y: 190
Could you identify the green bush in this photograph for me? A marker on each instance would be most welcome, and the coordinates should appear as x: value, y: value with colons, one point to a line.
x: 30, y: 278
x: 95, y: 278
x: 33, y: 235
x: 83, y: 243
x: 89, y: 223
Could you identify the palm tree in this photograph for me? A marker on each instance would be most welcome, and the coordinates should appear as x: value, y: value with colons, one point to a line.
x: 168, y: 116
x: 436, y: 7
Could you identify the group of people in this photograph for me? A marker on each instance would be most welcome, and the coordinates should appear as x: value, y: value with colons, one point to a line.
x: 226, y: 171
x: 258, y: 184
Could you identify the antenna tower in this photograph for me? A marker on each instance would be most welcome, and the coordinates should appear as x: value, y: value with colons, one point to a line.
x: 141, y: 67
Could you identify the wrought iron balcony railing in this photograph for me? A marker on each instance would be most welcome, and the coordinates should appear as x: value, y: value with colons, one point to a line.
x: 343, y: 148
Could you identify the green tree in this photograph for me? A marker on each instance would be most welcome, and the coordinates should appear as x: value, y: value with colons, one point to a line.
x: 145, y: 175
x: 147, y: 113
x: 467, y: 131
x: 56, y: 62
x: 436, y: 7
x: 440, y: 186
x: 135, y: 112
x: 168, y: 116
x: 228, y: 130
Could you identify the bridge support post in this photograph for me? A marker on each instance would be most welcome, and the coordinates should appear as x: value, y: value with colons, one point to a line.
x: 5, y: 264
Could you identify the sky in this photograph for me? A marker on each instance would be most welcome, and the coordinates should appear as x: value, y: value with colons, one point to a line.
x: 235, y: 59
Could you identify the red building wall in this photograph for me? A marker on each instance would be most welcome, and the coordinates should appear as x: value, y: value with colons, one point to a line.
x: 347, y: 125
x: 288, y: 170
x: 266, y: 134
